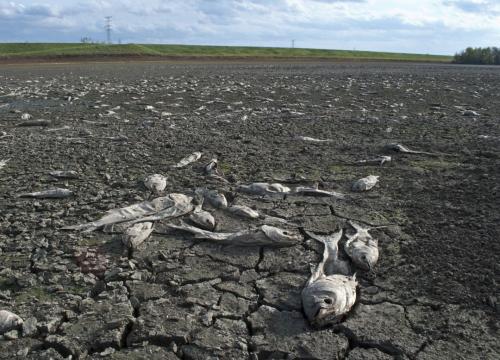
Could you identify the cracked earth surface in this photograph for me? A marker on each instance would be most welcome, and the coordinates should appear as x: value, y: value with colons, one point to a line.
x: 433, y: 294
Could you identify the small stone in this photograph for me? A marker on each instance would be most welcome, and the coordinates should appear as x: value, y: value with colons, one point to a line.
x: 108, y: 351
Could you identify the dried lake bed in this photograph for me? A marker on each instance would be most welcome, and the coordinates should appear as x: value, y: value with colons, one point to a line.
x: 434, y: 293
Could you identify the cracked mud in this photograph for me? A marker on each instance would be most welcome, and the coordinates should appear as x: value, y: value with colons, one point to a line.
x: 433, y: 294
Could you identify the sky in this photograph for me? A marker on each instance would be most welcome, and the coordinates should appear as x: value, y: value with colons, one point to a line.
x: 413, y: 26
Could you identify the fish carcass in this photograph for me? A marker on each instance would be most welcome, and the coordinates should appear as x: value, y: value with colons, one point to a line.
x: 57, y: 193
x: 188, y: 159
x: 202, y: 218
x: 264, y: 189
x: 362, y: 248
x: 365, y: 184
x: 327, y: 297
x: 263, y: 236
x: 9, y: 321
x: 166, y: 207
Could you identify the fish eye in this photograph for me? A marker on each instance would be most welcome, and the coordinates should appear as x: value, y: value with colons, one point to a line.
x: 328, y: 301
x: 285, y: 233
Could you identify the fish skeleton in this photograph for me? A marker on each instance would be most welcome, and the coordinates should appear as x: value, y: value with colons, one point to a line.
x: 327, y: 297
x: 365, y: 184
x: 362, y: 248
x: 188, y: 160
x: 264, y: 189
x: 262, y: 236
x: 57, y: 193
x: 136, y: 234
x: 166, y: 207
x: 9, y: 321
x: 156, y: 183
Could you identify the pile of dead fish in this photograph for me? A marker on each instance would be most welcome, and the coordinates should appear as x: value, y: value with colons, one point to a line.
x: 330, y: 292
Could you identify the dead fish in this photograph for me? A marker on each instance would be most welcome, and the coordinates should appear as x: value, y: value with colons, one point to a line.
x: 57, y: 193
x: 327, y: 298
x: 380, y: 160
x: 243, y: 211
x: 403, y: 149
x: 136, y: 234
x: 215, y: 198
x: 211, y: 167
x: 64, y: 174
x: 202, y: 218
x: 365, y: 184
x: 166, y: 207
x: 362, y: 248
x: 9, y: 321
x: 470, y: 113
x: 3, y: 163
x: 156, y: 183
x: 310, y: 139
x: 262, y: 236
x: 39, y: 122
x: 311, y: 191
x: 264, y: 189
x: 333, y: 264
x: 188, y: 160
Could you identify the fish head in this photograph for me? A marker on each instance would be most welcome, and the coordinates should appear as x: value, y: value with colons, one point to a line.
x: 280, y: 236
x: 327, y: 302
x: 203, y: 219
x: 367, y: 259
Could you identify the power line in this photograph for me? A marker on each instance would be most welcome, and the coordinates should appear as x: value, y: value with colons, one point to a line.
x: 108, y: 28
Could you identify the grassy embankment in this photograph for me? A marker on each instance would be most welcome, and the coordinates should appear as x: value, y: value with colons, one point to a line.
x: 61, y: 50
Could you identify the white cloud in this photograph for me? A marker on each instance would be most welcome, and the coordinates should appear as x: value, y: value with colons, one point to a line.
x: 434, y: 26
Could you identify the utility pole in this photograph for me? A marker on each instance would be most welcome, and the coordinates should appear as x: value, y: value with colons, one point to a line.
x: 293, y: 43
x: 108, y: 28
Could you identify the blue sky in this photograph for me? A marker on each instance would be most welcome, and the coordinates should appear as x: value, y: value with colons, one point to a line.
x: 419, y: 26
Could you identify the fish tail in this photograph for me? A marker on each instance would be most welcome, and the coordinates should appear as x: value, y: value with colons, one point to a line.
x: 328, y: 240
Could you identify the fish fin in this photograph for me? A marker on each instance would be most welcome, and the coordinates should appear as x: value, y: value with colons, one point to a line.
x: 326, y: 239
x: 356, y: 226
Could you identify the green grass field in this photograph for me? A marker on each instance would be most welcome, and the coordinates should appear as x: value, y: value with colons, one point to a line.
x: 57, y: 50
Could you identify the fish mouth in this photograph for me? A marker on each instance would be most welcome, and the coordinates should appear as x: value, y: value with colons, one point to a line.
x: 324, y: 313
x: 324, y: 317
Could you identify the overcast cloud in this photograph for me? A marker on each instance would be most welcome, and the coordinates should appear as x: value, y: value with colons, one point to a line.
x: 420, y: 26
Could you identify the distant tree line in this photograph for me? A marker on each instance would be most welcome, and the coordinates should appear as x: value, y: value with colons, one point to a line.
x: 481, y: 56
